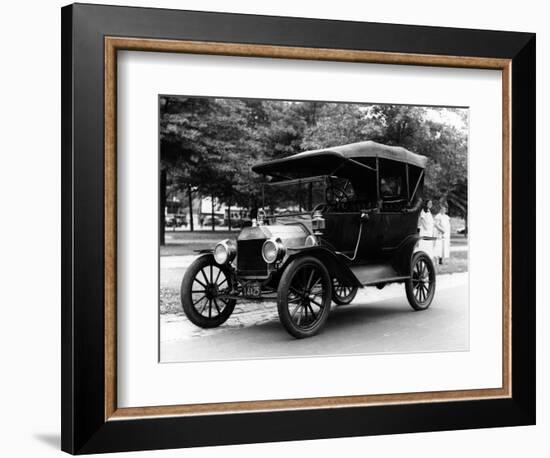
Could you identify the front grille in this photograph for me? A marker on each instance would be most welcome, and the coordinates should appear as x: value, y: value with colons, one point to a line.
x: 249, y: 258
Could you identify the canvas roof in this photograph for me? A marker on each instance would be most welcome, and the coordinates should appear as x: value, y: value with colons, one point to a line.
x: 326, y: 160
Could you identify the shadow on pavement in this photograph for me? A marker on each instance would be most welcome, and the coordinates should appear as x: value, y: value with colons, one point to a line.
x: 346, y: 317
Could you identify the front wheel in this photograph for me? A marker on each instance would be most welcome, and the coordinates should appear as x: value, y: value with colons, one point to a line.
x: 202, y: 285
x: 420, y: 287
x: 303, y: 297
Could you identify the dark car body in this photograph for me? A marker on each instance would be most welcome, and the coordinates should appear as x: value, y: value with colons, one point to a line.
x: 356, y: 223
x: 359, y: 234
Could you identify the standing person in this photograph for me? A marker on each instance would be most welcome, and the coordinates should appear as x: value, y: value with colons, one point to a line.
x: 442, y: 224
x: 426, y: 229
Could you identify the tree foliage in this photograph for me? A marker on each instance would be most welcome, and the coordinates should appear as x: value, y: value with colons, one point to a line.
x: 212, y: 143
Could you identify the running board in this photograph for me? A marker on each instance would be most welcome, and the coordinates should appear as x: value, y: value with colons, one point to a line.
x: 376, y: 273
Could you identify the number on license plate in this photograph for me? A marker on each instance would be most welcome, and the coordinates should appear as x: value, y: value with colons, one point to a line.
x: 252, y: 290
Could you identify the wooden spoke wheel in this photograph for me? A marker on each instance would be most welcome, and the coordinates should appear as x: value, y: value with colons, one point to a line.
x: 342, y: 294
x: 420, y: 287
x: 202, y: 290
x: 303, y: 297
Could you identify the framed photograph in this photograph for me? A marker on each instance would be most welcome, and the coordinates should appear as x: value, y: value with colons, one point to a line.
x: 275, y: 222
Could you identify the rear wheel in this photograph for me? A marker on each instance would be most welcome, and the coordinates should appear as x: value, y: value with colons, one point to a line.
x: 342, y: 294
x: 203, y: 283
x: 303, y: 297
x: 420, y: 287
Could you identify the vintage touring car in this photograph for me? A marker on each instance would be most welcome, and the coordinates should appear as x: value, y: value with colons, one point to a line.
x: 332, y: 221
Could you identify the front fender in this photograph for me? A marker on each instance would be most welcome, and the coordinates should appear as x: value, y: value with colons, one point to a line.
x: 205, y: 251
x: 207, y: 254
x: 334, y: 264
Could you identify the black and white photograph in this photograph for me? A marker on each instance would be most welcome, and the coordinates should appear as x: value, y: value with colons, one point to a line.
x: 296, y: 228
x: 274, y: 229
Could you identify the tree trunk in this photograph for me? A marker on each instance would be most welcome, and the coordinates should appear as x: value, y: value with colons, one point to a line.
x: 229, y: 217
x: 190, y: 197
x: 212, y: 215
x: 162, y: 206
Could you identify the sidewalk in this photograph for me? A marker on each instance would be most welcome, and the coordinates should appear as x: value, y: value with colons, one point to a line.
x: 459, y: 248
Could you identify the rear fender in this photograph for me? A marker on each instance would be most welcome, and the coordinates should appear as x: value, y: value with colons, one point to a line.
x: 335, y: 266
x: 401, y: 260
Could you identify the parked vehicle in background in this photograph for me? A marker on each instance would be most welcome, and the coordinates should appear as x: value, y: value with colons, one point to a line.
x: 174, y: 216
x: 238, y: 218
x: 239, y: 223
x: 207, y: 221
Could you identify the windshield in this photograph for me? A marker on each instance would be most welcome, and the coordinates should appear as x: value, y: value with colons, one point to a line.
x: 293, y: 196
x: 305, y: 195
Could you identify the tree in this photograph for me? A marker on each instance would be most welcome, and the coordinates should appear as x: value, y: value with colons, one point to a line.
x: 430, y: 132
x: 203, y: 142
x: 338, y: 124
x: 210, y: 145
x: 180, y: 155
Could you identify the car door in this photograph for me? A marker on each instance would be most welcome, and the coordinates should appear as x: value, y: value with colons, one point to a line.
x: 341, y: 231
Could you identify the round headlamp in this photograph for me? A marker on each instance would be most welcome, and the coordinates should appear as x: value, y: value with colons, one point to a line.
x: 225, y: 251
x: 273, y: 250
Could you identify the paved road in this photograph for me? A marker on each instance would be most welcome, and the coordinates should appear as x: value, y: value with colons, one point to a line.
x: 376, y: 322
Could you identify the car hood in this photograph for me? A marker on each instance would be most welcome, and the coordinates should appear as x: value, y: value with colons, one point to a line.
x: 292, y: 235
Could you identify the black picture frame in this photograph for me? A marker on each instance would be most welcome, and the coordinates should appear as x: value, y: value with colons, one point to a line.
x: 84, y: 427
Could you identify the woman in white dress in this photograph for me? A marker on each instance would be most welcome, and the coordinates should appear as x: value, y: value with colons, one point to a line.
x: 426, y: 229
x: 442, y: 224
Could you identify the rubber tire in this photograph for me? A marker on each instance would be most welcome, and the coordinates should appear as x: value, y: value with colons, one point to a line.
x: 344, y: 301
x: 186, y: 296
x: 282, y: 297
x: 409, y: 284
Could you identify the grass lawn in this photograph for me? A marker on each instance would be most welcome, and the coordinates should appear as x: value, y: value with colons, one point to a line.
x: 458, y: 262
x: 185, y: 243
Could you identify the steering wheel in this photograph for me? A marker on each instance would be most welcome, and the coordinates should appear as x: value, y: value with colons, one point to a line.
x: 336, y: 194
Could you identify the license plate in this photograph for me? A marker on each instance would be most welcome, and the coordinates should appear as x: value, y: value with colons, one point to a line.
x: 253, y: 290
